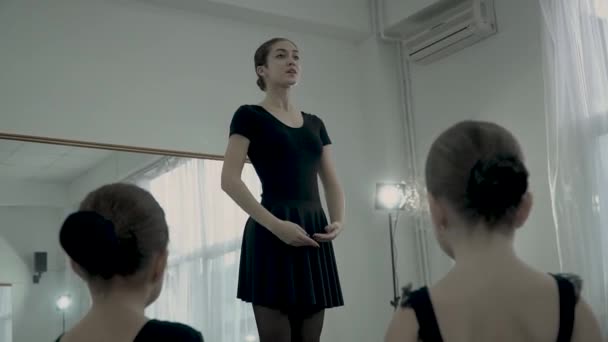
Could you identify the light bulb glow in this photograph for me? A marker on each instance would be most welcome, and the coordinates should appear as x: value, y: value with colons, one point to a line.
x: 391, y: 196
x: 251, y: 338
x: 63, y: 302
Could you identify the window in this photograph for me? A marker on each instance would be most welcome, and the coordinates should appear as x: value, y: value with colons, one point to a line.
x: 576, y: 80
x: 205, y: 228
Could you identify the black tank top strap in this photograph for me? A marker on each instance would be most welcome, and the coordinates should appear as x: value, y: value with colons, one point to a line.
x: 420, y: 302
x: 569, y: 287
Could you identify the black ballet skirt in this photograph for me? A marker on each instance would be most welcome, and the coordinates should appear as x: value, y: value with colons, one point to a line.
x: 287, y: 161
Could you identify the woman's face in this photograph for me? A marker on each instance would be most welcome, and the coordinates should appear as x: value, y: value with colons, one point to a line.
x: 282, y: 67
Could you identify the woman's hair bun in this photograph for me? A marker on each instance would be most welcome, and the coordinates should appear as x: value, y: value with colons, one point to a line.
x: 496, y: 186
x: 91, y: 241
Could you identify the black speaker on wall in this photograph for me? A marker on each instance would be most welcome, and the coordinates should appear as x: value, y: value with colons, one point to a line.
x: 40, y: 265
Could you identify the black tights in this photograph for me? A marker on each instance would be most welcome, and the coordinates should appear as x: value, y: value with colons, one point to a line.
x: 277, y: 326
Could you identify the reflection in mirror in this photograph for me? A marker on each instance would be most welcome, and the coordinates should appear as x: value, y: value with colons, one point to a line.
x: 42, y: 183
x: 6, y: 313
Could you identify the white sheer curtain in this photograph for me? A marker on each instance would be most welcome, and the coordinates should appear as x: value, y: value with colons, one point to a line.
x: 6, y: 314
x: 576, y: 79
x: 205, y: 235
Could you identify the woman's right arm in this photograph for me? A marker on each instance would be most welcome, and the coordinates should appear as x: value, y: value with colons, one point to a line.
x: 233, y: 185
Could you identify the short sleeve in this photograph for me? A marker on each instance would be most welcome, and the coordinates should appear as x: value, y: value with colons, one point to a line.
x: 323, y: 133
x: 243, y: 123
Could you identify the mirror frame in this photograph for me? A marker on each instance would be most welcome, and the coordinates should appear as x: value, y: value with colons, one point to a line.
x: 112, y: 147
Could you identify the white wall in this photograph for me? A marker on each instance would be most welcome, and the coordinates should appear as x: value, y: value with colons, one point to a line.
x: 500, y: 80
x: 350, y: 14
x: 115, y: 168
x: 27, y: 230
x: 339, y: 19
x: 31, y: 229
x: 32, y: 193
x: 387, y: 153
x: 398, y: 10
x: 145, y: 76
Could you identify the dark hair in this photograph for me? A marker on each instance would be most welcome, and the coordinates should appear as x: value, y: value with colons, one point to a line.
x: 117, y: 231
x: 478, y: 168
x: 261, y: 57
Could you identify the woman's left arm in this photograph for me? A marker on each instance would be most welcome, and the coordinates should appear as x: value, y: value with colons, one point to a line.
x: 334, y: 194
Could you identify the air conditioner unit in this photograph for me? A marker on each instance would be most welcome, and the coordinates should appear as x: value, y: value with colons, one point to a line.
x: 444, y: 28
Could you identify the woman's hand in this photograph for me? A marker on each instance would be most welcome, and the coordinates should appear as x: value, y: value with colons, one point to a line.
x: 293, y: 235
x: 333, y: 230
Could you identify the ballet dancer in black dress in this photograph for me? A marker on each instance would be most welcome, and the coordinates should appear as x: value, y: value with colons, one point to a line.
x: 287, y: 269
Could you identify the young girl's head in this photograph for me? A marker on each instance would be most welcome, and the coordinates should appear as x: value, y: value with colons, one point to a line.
x: 477, y: 182
x: 118, y: 237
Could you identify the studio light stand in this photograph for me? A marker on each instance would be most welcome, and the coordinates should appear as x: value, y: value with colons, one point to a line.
x: 391, y: 197
x: 62, y: 304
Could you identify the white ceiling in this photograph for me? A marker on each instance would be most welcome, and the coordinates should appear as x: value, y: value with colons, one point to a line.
x: 27, y: 161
